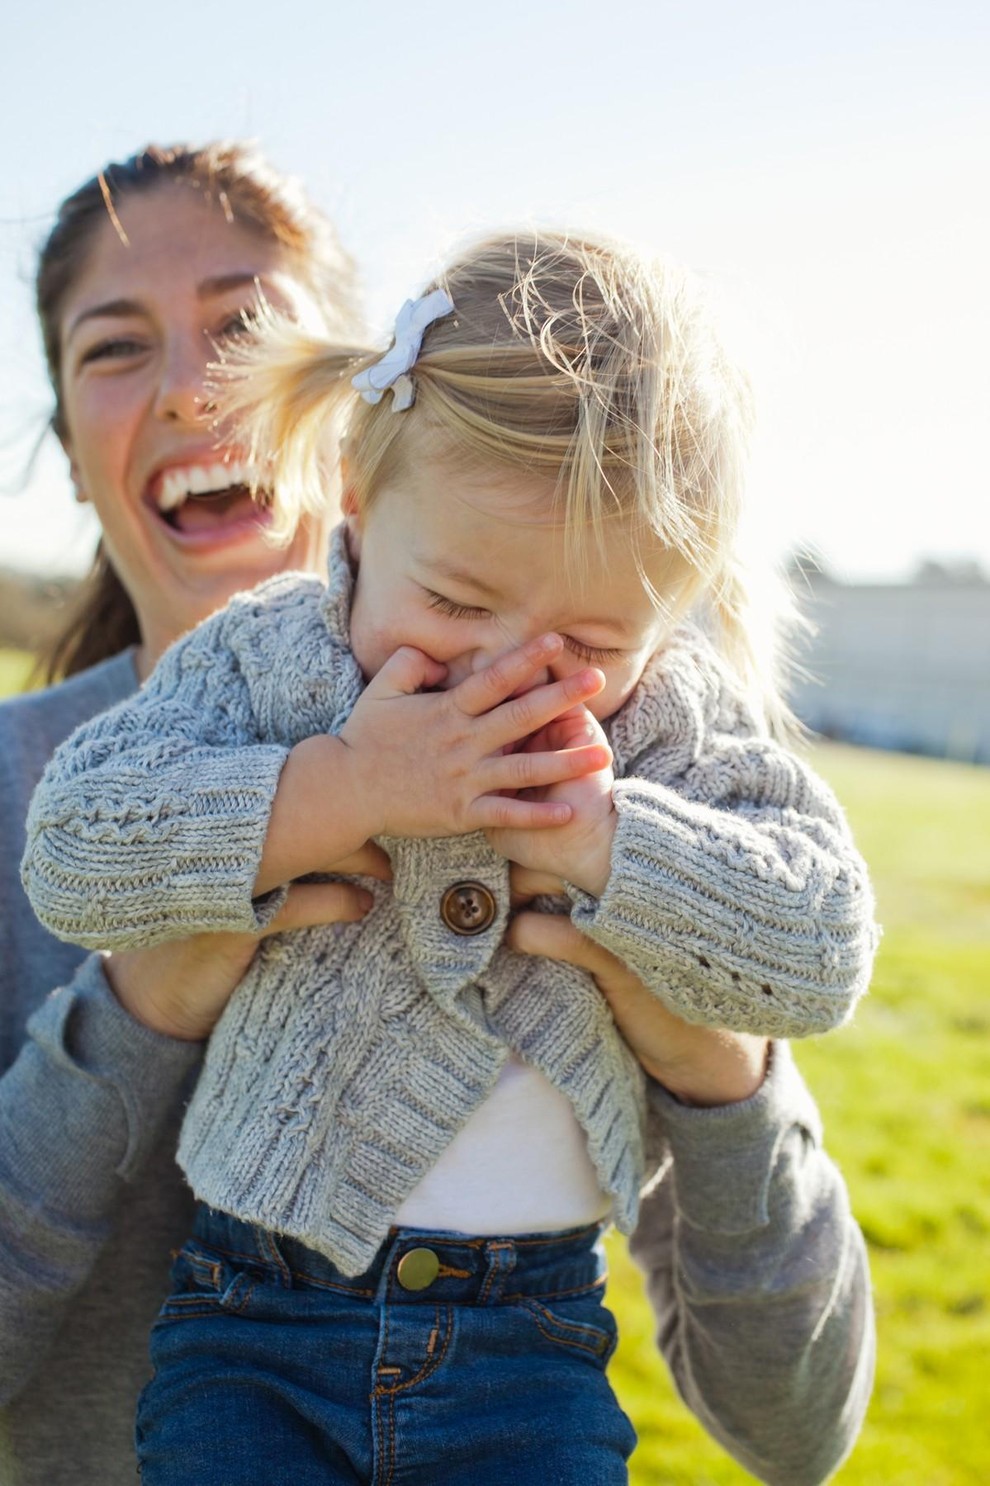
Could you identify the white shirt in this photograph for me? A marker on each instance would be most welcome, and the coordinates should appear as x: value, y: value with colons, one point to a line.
x: 519, y: 1165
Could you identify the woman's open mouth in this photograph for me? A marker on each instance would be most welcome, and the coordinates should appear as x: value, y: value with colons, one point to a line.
x: 210, y: 502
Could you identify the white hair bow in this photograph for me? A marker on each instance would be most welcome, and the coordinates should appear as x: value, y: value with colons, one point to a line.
x: 411, y: 324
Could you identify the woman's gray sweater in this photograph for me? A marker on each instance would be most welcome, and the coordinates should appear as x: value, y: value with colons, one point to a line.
x: 351, y: 1055
x: 755, y: 1268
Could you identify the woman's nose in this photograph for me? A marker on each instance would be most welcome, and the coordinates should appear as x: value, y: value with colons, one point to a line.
x: 182, y: 395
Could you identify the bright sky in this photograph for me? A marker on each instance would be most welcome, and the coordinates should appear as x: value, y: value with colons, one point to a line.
x: 825, y: 168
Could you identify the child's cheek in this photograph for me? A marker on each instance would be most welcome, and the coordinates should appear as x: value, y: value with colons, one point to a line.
x: 619, y: 687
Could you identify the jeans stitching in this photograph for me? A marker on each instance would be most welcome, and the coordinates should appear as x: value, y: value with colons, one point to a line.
x: 580, y: 1327
x: 495, y: 1271
x: 433, y: 1362
x: 598, y: 1284
x: 563, y: 1341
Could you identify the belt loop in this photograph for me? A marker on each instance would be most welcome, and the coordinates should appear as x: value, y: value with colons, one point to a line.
x: 272, y: 1255
x: 500, y: 1255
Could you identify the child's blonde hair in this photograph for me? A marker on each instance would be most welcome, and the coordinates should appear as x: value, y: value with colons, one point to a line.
x: 568, y: 357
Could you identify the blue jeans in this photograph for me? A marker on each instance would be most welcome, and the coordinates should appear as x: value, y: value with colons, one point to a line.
x: 477, y: 1362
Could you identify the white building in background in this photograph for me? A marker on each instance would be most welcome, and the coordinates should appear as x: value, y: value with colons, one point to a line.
x: 902, y: 666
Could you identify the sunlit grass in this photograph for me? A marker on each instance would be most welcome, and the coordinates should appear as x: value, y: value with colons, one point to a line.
x: 905, y: 1093
x: 15, y: 668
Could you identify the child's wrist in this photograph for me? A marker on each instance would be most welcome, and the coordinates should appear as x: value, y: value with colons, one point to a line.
x: 354, y: 797
x: 590, y: 870
x: 315, y: 814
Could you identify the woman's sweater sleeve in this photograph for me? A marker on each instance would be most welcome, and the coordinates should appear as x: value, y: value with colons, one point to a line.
x: 759, y: 1279
x: 736, y: 893
x: 80, y: 1109
x: 149, y: 822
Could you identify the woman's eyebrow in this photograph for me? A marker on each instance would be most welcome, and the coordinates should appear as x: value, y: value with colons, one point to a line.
x: 121, y: 309
x: 222, y: 283
x: 110, y: 309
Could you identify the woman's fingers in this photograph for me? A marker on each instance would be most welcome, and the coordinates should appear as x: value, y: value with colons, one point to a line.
x: 525, y: 884
x: 309, y: 904
x: 555, y: 936
x: 368, y: 861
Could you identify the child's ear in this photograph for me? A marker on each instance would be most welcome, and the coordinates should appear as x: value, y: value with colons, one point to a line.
x: 349, y: 506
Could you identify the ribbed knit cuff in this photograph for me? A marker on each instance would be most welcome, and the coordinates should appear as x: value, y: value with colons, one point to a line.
x: 704, y: 909
x: 192, y: 872
x: 85, y: 1029
x: 724, y: 1158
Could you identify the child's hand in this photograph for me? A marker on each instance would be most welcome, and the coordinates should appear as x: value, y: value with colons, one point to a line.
x: 440, y: 763
x: 581, y: 850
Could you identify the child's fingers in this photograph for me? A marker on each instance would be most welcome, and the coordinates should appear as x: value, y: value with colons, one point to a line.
x: 500, y: 813
x: 495, y: 683
x: 571, y: 730
x: 404, y: 673
x: 517, y: 771
x: 535, y: 709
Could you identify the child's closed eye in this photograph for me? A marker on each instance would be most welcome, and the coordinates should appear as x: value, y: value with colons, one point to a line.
x: 595, y: 654
x: 454, y: 610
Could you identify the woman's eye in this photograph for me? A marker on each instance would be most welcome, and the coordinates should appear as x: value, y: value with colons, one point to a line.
x: 112, y: 349
x: 595, y: 654
x: 455, y: 611
x: 238, y: 327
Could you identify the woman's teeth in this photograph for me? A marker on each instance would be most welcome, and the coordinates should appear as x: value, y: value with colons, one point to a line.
x: 178, y: 484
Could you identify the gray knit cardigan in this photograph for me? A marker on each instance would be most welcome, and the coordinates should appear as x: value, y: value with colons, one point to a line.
x: 351, y: 1055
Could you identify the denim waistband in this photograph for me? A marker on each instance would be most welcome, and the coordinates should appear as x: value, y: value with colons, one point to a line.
x: 456, y: 1268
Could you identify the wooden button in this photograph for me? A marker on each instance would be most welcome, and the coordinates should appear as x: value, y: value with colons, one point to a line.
x: 468, y: 908
x: 417, y: 1269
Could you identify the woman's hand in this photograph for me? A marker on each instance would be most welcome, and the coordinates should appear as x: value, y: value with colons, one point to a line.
x: 703, y: 1066
x: 181, y: 988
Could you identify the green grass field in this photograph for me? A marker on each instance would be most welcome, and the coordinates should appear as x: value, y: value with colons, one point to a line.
x: 15, y: 668
x: 905, y: 1093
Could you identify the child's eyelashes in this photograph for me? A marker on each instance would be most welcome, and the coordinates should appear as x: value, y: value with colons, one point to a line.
x: 594, y: 654
x: 455, y: 611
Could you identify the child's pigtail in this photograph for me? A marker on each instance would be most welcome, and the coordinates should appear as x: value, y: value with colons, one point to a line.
x: 288, y: 394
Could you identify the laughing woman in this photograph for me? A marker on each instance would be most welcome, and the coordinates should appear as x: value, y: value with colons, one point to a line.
x: 754, y: 1267
x: 151, y: 267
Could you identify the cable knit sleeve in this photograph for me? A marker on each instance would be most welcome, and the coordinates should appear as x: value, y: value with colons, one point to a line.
x: 736, y: 892
x: 149, y: 821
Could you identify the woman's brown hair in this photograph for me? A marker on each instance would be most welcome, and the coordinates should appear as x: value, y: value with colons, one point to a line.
x: 247, y: 190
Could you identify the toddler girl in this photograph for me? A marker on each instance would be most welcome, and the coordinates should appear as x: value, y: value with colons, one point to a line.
x: 406, y: 1138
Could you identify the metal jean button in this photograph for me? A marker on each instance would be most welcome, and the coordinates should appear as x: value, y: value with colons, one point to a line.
x: 417, y: 1269
x: 468, y: 908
